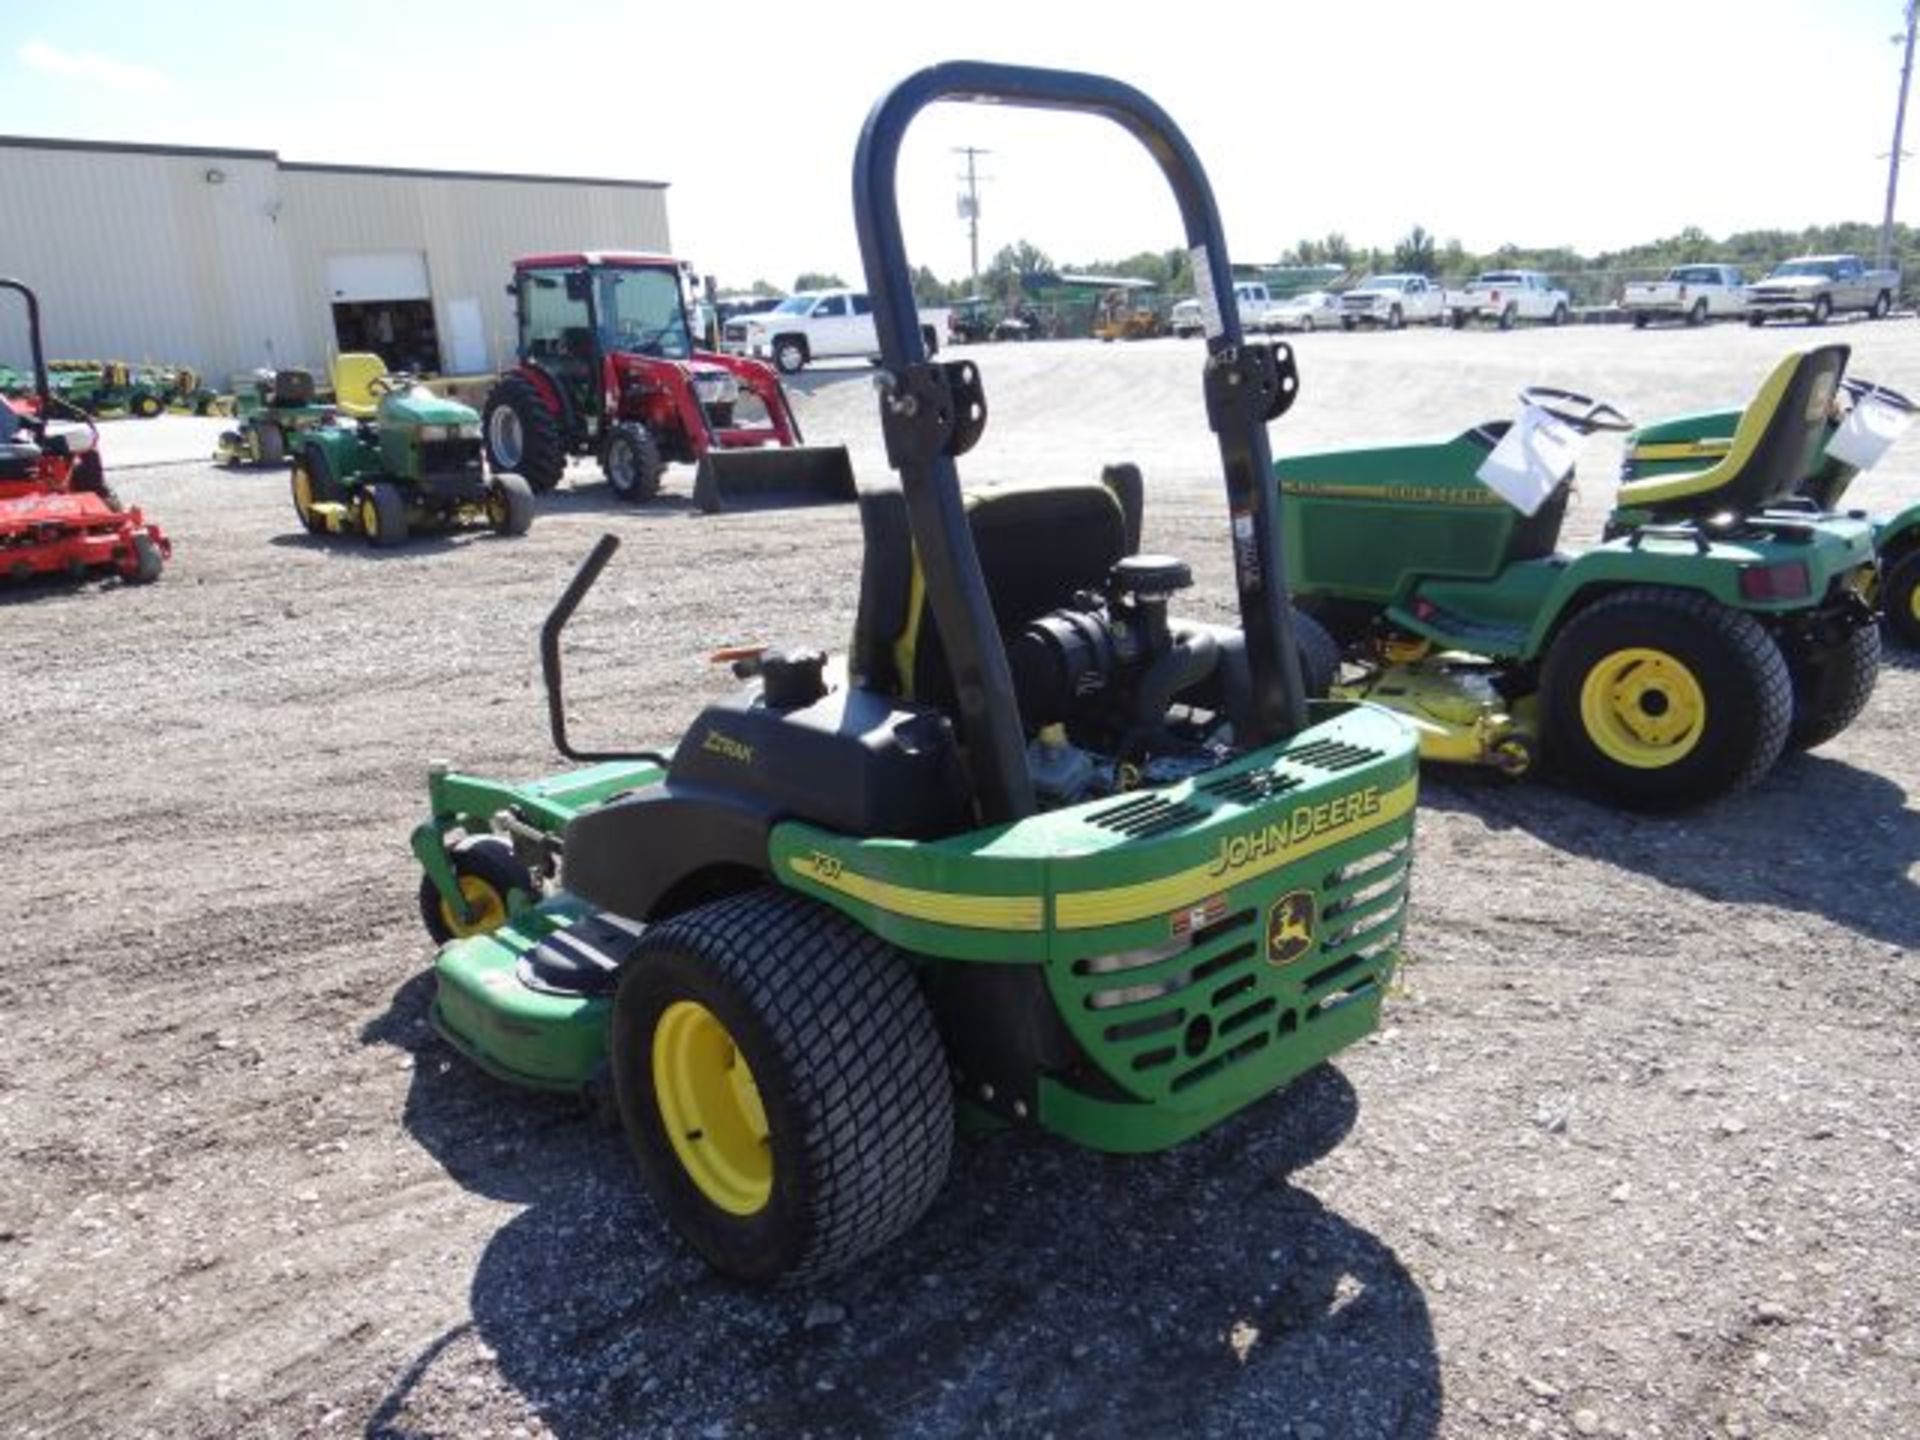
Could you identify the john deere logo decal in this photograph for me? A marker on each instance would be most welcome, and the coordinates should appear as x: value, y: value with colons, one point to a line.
x: 1290, y: 927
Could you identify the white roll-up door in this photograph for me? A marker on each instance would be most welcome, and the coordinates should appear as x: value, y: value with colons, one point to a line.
x: 388, y: 275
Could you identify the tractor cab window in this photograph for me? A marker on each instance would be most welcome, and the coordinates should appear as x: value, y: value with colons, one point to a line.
x: 641, y: 312
x: 555, y: 323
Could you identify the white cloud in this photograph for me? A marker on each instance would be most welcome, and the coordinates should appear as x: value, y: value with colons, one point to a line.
x: 102, y: 70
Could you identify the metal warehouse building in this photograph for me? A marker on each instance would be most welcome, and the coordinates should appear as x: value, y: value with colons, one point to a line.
x: 229, y: 260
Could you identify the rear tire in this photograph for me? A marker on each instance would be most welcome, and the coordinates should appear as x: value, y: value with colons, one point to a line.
x: 836, y: 1137
x: 1882, y: 304
x: 1396, y: 318
x: 1347, y: 621
x: 509, y: 505
x: 1822, y: 308
x: 1900, y: 599
x: 1657, y: 699
x: 1639, y: 319
x: 1507, y: 317
x: 269, y: 445
x: 1559, y: 316
x: 488, y: 873
x: 146, y: 559
x: 632, y: 463
x: 523, y: 435
x: 1319, y: 655
x: 1697, y: 316
x: 1831, y: 686
x: 383, y: 515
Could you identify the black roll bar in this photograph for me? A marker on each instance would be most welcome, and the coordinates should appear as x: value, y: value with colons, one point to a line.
x: 1241, y: 390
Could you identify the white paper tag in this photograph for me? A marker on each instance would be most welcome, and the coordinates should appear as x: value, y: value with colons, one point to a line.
x: 1531, y: 460
x: 1868, y: 433
x: 1203, y: 292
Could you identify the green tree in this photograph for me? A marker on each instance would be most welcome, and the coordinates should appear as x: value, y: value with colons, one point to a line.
x: 1414, y: 255
x: 762, y: 287
x: 818, y: 280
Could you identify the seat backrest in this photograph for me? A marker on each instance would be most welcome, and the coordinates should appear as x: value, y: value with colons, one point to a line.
x: 1037, y: 545
x: 1773, y: 445
x: 353, y: 377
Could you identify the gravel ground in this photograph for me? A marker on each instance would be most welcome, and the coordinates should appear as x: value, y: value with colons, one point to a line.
x: 1634, y: 1153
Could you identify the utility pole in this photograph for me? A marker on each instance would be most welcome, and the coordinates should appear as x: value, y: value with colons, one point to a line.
x: 970, y: 202
x: 1899, y: 125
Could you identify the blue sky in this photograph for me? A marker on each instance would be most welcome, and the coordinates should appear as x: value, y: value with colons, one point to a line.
x: 1487, y: 120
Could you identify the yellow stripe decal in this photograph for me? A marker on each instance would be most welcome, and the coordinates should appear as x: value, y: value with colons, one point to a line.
x: 1241, y: 857
x: 1683, y: 450
x: 972, y: 912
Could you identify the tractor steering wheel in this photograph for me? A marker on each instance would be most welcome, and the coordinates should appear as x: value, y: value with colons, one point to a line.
x: 1582, y: 412
x: 1858, y: 390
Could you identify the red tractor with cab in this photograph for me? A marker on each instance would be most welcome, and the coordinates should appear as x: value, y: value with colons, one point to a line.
x: 608, y: 367
x: 57, y: 514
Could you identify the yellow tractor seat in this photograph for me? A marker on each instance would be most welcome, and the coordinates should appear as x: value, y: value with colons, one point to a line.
x: 353, y: 377
x: 1038, y: 546
x: 1773, y: 445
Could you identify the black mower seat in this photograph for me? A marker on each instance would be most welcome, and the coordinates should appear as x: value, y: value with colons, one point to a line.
x: 1037, y: 544
x: 1773, y: 445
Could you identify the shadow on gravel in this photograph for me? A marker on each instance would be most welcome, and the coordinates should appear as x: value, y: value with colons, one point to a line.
x: 1817, y: 836
x: 1049, y: 1290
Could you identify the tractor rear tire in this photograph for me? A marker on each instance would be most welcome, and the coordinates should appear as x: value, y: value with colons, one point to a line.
x: 383, y: 515
x: 146, y: 405
x: 1831, y: 685
x: 782, y: 1083
x: 633, y: 463
x: 488, y: 873
x: 1900, y: 599
x: 312, y: 480
x: 1319, y: 655
x: 146, y: 559
x: 269, y: 445
x: 1620, y: 667
x: 525, y: 440
x: 509, y: 505
x: 1347, y: 621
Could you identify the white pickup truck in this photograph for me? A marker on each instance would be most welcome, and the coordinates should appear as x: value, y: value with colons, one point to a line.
x: 1508, y: 296
x: 1392, y: 301
x: 813, y: 325
x: 1815, y: 286
x: 1693, y: 293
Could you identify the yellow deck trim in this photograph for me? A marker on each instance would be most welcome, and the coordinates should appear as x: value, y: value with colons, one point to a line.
x: 1119, y: 904
x: 971, y: 912
x: 1683, y: 450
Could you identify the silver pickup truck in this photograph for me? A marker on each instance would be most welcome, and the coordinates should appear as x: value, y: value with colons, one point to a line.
x: 1816, y: 286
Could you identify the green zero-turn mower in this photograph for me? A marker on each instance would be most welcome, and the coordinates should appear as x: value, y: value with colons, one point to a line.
x: 1865, y: 419
x: 404, y: 460
x: 274, y: 409
x: 1033, y: 844
x: 1668, y: 665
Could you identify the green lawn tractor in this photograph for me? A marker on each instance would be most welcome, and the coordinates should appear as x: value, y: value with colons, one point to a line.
x: 1865, y: 419
x: 1671, y: 664
x: 406, y: 460
x: 273, y: 409
x: 1033, y: 848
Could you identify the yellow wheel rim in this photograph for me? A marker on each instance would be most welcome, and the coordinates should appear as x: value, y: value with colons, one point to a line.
x: 486, y: 905
x: 711, y: 1108
x: 1643, y: 708
x: 369, y: 516
x: 1913, y: 604
x: 303, y: 494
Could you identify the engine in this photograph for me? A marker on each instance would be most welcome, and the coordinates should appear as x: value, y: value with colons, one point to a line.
x: 1112, y: 694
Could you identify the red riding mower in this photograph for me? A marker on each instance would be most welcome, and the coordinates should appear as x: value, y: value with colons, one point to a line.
x: 608, y: 368
x: 56, y: 513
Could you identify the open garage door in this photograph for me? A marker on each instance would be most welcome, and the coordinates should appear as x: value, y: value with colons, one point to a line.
x: 383, y: 303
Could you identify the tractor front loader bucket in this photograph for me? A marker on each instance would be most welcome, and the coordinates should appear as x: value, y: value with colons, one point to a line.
x: 773, y: 478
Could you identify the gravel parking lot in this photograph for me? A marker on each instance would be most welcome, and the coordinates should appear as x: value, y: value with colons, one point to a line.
x: 1634, y: 1153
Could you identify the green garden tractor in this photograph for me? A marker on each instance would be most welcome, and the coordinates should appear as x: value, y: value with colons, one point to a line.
x: 273, y: 410
x: 407, y: 460
x: 1864, y: 420
x: 1034, y: 848
x: 1673, y: 663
